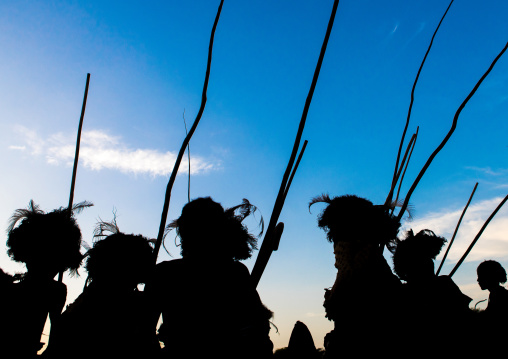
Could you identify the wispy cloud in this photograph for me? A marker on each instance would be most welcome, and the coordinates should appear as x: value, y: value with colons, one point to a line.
x: 395, y: 28
x: 488, y: 171
x: 100, y: 150
x: 493, y: 243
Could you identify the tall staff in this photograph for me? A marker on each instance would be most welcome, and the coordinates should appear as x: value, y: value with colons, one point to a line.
x: 274, y: 230
x: 76, y: 155
x: 172, y: 178
x: 450, y: 132
x: 396, y: 172
x: 456, y: 229
x: 477, y: 236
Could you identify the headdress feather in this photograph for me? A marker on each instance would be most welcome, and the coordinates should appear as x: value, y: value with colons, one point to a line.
x: 102, y: 227
x: 23, y: 213
x: 245, y: 209
x: 325, y: 197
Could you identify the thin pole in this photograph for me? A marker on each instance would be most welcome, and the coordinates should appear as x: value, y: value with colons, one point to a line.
x: 266, y: 247
x: 188, y: 157
x: 456, y: 229
x: 78, y: 141
x: 450, y: 132
x: 295, y: 167
x: 172, y: 178
x: 405, y: 168
x: 395, y: 177
x: 76, y: 156
x: 477, y: 237
x: 408, y: 148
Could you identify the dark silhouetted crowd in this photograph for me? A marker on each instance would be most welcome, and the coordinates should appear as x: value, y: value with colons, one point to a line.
x: 206, y: 305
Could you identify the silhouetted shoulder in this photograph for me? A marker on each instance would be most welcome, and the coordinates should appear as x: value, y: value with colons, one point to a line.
x: 183, y: 269
x: 498, y: 304
x: 451, y: 292
x: 168, y: 266
x: 50, y: 294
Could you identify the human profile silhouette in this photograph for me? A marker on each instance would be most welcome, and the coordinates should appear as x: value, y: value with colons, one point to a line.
x: 491, y: 275
x: 364, y: 286
x: 111, y: 306
x: 208, y: 302
x: 301, y: 344
x: 426, y: 298
x: 47, y: 243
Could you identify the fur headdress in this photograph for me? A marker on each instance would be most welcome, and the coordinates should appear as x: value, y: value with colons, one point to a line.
x: 206, y: 228
x: 350, y: 217
x: 415, y: 249
x: 52, y: 237
x: 128, y: 256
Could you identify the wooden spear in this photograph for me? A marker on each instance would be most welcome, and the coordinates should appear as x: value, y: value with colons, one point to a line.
x: 188, y: 157
x: 477, y: 237
x: 412, y: 145
x: 76, y: 156
x: 271, y: 235
x: 78, y: 141
x: 456, y: 229
x: 395, y: 177
x: 450, y: 132
x: 186, y: 141
x: 406, y: 153
x: 295, y: 168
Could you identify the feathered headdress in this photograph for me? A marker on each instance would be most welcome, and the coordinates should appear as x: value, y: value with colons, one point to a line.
x: 204, y: 226
x: 40, y: 237
x: 126, y: 256
x: 415, y: 249
x: 350, y: 218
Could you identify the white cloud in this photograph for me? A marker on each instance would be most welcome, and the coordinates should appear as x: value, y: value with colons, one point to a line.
x: 493, y: 244
x: 98, y: 151
x: 32, y: 140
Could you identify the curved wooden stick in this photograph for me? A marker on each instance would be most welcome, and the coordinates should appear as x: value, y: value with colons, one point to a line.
x: 403, y: 164
x: 395, y: 178
x: 405, y: 167
x: 450, y: 132
x: 164, y: 215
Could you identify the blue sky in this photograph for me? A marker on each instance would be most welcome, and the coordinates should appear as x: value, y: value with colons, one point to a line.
x: 147, y: 64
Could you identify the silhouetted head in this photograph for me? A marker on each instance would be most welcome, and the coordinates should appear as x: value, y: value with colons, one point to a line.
x: 120, y: 260
x: 47, y: 243
x: 352, y: 218
x: 207, y: 230
x: 413, y: 257
x: 301, y: 344
x: 490, y: 274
